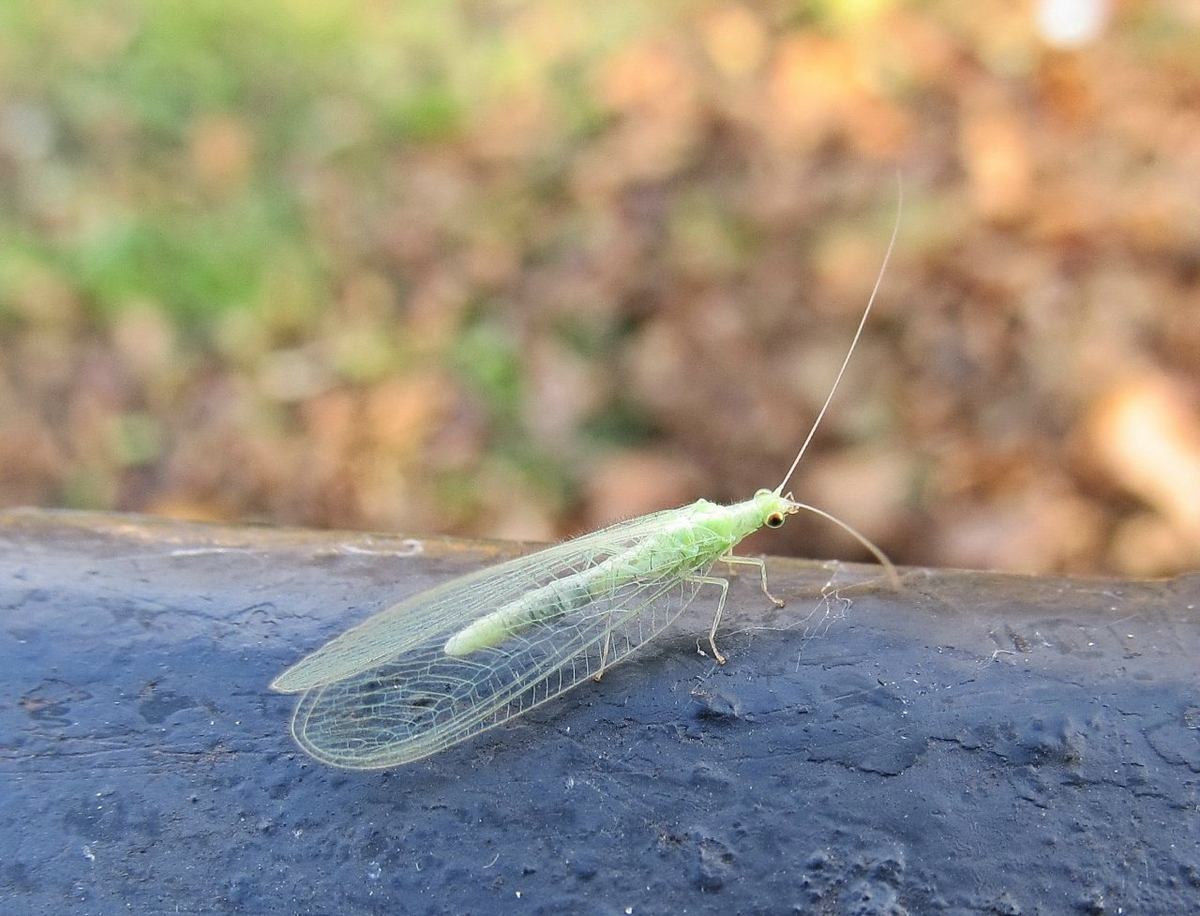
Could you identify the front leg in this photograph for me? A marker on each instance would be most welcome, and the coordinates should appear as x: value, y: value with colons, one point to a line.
x: 762, y: 572
x: 723, y: 585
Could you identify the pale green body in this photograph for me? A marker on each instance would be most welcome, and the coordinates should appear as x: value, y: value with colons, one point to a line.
x: 693, y: 539
x: 453, y: 661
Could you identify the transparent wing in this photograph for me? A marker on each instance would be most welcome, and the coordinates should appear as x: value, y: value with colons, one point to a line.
x: 422, y: 701
x: 444, y: 610
x: 386, y: 692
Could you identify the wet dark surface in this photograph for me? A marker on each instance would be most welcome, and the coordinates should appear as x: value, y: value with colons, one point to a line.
x: 972, y: 744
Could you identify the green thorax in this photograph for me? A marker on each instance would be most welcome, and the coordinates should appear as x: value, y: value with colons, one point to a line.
x: 704, y: 531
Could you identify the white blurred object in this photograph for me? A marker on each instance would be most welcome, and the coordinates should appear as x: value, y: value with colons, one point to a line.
x: 1071, y: 23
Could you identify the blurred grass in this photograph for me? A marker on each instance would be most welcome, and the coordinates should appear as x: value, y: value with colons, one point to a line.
x: 518, y: 268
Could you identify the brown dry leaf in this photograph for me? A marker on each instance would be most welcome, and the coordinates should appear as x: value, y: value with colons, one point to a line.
x: 146, y: 342
x: 864, y: 487
x: 652, y: 87
x: 995, y: 148
x: 332, y: 429
x: 813, y: 82
x: 402, y: 412
x: 1149, y: 545
x: 1144, y: 433
x: 735, y: 38
x: 222, y: 152
x: 627, y: 484
x: 32, y: 465
x: 188, y: 507
x: 649, y: 77
x: 1041, y: 530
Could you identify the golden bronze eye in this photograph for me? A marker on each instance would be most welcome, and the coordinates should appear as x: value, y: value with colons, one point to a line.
x: 775, y: 520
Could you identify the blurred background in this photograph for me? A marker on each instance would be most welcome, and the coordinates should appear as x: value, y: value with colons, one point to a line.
x: 519, y: 269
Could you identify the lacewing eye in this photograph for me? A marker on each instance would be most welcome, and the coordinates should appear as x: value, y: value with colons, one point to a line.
x: 775, y: 520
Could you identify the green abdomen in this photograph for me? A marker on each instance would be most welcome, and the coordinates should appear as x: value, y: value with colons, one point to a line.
x: 691, y: 542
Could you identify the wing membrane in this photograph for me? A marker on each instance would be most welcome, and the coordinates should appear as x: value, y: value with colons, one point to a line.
x: 446, y: 609
x: 386, y: 692
x: 422, y: 701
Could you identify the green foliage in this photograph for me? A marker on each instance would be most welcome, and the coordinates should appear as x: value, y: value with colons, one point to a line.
x: 487, y: 356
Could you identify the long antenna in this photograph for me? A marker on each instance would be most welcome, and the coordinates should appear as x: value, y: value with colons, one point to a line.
x: 853, y: 343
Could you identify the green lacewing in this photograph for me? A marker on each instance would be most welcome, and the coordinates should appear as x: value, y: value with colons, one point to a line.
x: 453, y: 661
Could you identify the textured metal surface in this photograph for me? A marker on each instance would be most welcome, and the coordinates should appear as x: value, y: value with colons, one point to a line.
x: 971, y: 744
